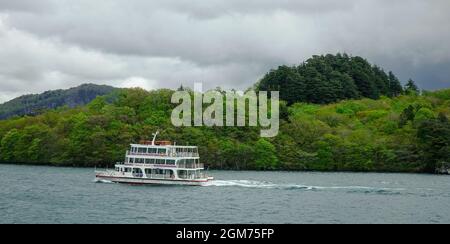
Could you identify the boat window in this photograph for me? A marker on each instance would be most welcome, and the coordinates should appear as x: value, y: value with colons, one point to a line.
x: 152, y: 150
x: 160, y: 161
x: 152, y: 161
x: 141, y: 150
x: 127, y: 169
x: 147, y: 161
x: 170, y: 161
x: 161, y: 151
x: 137, y: 172
x: 182, y: 174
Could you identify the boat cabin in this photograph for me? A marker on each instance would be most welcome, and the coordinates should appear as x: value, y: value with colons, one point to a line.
x: 158, y: 162
x: 163, y: 150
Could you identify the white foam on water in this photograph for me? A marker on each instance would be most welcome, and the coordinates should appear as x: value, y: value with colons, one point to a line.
x: 269, y: 185
x: 104, y: 181
x: 241, y: 183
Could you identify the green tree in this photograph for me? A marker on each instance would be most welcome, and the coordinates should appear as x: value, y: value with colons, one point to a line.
x: 423, y: 114
x: 8, y: 145
x: 395, y: 87
x: 287, y: 81
x: 265, y: 155
x: 411, y: 87
x: 408, y: 114
x: 434, y: 138
x: 330, y: 78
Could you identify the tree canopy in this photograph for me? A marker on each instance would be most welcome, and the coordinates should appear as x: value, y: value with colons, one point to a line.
x: 408, y: 133
x: 341, y: 113
x: 411, y: 87
x: 331, y: 78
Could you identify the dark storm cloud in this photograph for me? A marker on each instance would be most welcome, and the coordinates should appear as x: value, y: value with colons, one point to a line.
x: 229, y: 43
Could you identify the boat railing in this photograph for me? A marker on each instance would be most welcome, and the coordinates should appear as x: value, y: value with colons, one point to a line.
x: 160, y: 176
x: 105, y: 172
x: 185, y: 154
x: 147, y: 154
x: 190, y: 166
x: 193, y: 177
x: 179, y: 154
x: 178, y: 165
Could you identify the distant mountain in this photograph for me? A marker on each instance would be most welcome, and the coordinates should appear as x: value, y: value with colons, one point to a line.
x: 36, y: 103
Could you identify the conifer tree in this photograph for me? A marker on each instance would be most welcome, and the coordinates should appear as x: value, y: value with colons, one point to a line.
x: 411, y: 87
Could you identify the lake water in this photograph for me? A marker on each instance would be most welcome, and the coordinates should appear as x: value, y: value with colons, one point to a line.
x: 34, y: 194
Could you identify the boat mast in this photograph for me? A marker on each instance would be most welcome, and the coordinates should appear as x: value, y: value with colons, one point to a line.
x: 154, y: 137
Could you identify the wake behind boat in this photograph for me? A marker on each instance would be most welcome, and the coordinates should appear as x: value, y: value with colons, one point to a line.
x: 158, y: 162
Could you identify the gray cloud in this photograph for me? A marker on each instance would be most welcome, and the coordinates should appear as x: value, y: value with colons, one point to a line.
x: 53, y: 44
x: 26, y: 5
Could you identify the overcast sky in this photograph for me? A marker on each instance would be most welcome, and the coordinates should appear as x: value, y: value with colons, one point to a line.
x: 51, y: 44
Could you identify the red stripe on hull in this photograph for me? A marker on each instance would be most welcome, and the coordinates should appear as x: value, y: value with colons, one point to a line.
x: 129, y: 178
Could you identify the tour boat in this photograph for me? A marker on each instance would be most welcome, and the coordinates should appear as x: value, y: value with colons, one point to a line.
x: 158, y: 162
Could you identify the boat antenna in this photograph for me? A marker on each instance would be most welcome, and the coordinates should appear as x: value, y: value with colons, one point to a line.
x: 154, y: 137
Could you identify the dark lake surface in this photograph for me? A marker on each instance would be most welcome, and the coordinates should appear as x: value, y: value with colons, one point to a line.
x: 37, y: 194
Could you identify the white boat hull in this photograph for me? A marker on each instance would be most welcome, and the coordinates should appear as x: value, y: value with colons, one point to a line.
x: 147, y: 181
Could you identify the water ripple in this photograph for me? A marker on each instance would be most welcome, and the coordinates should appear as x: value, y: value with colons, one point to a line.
x: 68, y: 195
x: 269, y: 185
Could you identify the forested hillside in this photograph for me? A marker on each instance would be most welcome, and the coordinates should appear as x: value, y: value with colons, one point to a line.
x: 37, y: 103
x: 331, y: 78
x: 408, y: 133
x: 339, y: 113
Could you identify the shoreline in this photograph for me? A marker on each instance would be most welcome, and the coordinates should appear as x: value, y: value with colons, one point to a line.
x: 236, y: 170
